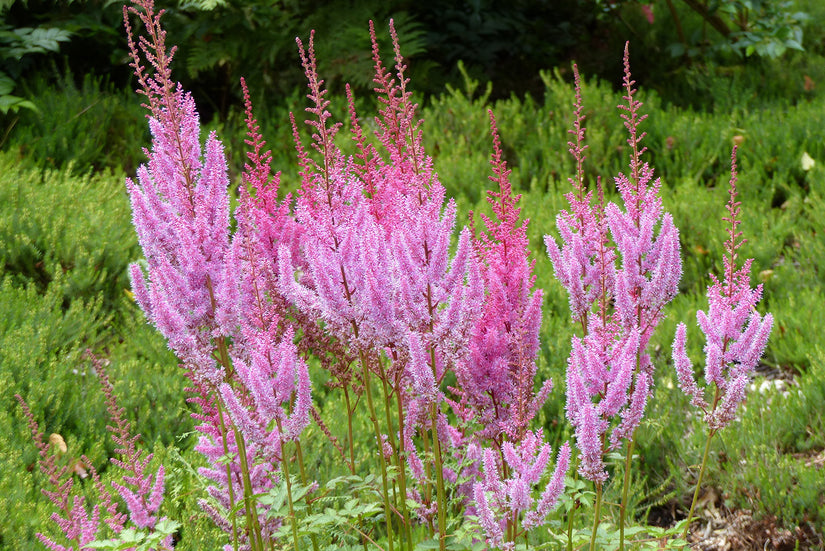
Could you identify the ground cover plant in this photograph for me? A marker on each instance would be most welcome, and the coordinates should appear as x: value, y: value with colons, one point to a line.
x: 299, y: 291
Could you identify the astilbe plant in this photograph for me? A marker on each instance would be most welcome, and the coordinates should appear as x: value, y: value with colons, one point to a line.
x: 496, y: 386
x: 209, y: 292
x: 735, y: 337
x: 365, y: 272
x: 140, y: 491
x: 619, y: 274
x: 363, y: 269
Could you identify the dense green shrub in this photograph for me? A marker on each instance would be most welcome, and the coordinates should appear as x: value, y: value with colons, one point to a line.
x: 58, y: 223
x: 91, y: 125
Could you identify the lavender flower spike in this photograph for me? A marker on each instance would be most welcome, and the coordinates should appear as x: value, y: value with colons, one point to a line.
x: 736, y: 334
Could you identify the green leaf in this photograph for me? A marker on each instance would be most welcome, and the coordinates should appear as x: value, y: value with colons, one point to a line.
x: 633, y: 530
x: 7, y: 84
x: 14, y: 103
x: 104, y: 544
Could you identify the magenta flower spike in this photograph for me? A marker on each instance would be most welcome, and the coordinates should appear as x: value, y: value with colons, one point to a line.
x: 497, y: 383
x: 215, y: 296
x: 735, y: 333
x: 142, y: 495
x: 78, y: 524
x: 141, y: 492
x: 735, y: 338
x: 376, y: 234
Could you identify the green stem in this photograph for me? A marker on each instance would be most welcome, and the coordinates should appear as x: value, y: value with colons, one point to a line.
x: 572, y: 514
x: 597, y: 513
x: 228, y: 476
x: 351, y: 445
x: 698, y: 484
x: 428, y: 489
x: 300, y: 454
x: 439, y: 471
x: 379, y: 443
x: 390, y: 425
x: 623, y: 508
x: 285, y: 468
x: 402, y: 470
x: 439, y: 482
x: 350, y: 412
x: 253, y: 527
x: 255, y: 536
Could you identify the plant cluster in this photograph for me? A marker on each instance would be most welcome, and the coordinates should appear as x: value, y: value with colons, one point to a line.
x: 434, y: 331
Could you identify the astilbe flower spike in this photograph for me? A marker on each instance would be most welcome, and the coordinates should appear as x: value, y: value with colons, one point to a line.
x: 180, y: 208
x: 617, y: 306
x: 495, y: 387
x: 735, y: 336
x: 140, y: 491
x: 214, y: 295
x: 497, y: 383
x: 376, y: 265
x: 505, y: 491
x: 79, y: 525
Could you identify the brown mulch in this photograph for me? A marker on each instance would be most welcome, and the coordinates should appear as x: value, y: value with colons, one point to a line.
x: 719, y: 529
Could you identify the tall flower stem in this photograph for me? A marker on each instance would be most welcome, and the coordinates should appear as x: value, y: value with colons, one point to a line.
x: 377, y: 429
x: 253, y: 526
x: 285, y: 468
x: 249, y: 502
x: 229, y: 484
x: 400, y: 462
x: 571, y: 515
x: 351, y: 444
x: 631, y: 443
x: 439, y: 471
x: 597, y: 513
x: 390, y: 427
x: 711, y: 433
x: 402, y: 468
x: 439, y: 482
x: 300, y: 455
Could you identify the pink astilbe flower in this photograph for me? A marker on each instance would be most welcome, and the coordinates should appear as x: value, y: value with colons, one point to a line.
x: 78, y: 524
x: 620, y: 272
x: 215, y: 295
x: 142, y: 494
x: 505, y: 491
x: 220, y: 448
x: 180, y: 207
x: 583, y: 233
x: 497, y: 383
x: 736, y: 334
x: 376, y: 239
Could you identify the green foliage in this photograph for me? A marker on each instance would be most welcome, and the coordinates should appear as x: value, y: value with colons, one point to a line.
x: 779, y: 441
x: 56, y: 224
x: 92, y: 126
x: 15, y: 43
x: 763, y: 27
x: 337, y: 517
x: 139, y: 540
